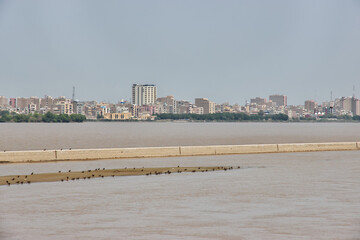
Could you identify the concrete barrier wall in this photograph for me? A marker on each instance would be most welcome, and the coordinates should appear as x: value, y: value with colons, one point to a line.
x: 27, y: 156
x: 239, y: 149
x: 310, y: 147
x: 86, y: 154
x: 197, y: 150
x: 116, y: 153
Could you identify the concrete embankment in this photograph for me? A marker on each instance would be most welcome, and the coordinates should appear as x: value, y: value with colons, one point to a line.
x: 148, y: 152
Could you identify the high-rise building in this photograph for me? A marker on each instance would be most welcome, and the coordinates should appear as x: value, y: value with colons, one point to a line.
x: 208, y: 106
x: 258, y: 101
x: 143, y: 94
x: 351, y: 104
x: 12, y: 102
x: 280, y: 100
x: 309, y: 105
x: 169, y: 103
x: 3, y: 101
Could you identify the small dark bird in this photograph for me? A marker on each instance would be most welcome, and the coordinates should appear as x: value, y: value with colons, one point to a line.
x: 102, y: 176
x: 32, y: 173
x: 29, y: 182
x: 82, y: 171
x: 62, y: 180
x: 13, y: 179
x: 69, y: 170
x: 59, y: 171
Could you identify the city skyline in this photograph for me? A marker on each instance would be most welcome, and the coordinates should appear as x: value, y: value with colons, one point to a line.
x: 230, y: 51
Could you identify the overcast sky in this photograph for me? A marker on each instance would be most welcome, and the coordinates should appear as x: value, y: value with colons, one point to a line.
x: 227, y: 51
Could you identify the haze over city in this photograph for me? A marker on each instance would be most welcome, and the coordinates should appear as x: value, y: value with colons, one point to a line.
x: 228, y: 51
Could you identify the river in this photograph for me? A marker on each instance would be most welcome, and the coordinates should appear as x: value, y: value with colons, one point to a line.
x: 273, y: 196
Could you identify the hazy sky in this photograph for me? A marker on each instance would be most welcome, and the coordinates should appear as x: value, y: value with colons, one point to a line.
x: 223, y: 50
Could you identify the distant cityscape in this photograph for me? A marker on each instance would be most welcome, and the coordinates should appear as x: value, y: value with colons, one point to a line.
x: 145, y: 105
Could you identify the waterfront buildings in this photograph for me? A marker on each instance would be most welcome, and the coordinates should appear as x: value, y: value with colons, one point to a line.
x: 145, y: 105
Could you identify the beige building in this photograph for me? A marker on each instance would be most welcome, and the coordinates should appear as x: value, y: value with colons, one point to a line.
x: 208, y: 106
x: 351, y: 104
x: 117, y: 116
x: 280, y: 100
x: 197, y: 110
x: 258, y: 101
x: 309, y: 105
x: 65, y: 107
x: 3, y: 101
x: 143, y: 94
x: 169, y: 104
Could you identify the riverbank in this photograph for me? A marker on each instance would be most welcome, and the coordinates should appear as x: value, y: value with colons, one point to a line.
x: 101, y: 173
x: 180, y: 151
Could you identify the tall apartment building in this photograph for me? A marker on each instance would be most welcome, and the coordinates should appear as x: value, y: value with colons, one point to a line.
x: 309, y: 105
x: 22, y: 103
x: 143, y: 94
x: 169, y: 103
x: 209, y: 107
x: 280, y: 100
x: 12, y: 102
x: 3, y: 101
x: 351, y: 104
x: 258, y: 101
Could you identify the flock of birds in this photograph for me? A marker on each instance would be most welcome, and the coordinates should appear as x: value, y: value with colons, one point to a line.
x: 94, y: 173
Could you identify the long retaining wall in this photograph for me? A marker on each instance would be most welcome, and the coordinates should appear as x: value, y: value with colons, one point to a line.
x: 148, y: 152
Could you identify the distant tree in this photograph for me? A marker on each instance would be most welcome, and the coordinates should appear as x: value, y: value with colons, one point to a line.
x: 356, y: 117
x: 279, y: 117
x: 77, y: 117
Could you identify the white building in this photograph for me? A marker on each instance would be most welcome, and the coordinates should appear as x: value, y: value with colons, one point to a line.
x: 143, y: 94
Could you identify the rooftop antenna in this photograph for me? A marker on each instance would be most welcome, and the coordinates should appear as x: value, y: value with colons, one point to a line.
x: 73, y: 95
x: 354, y: 91
x: 331, y: 98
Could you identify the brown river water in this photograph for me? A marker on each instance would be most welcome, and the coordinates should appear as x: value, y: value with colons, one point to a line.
x: 38, y: 136
x: 273, y: 196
